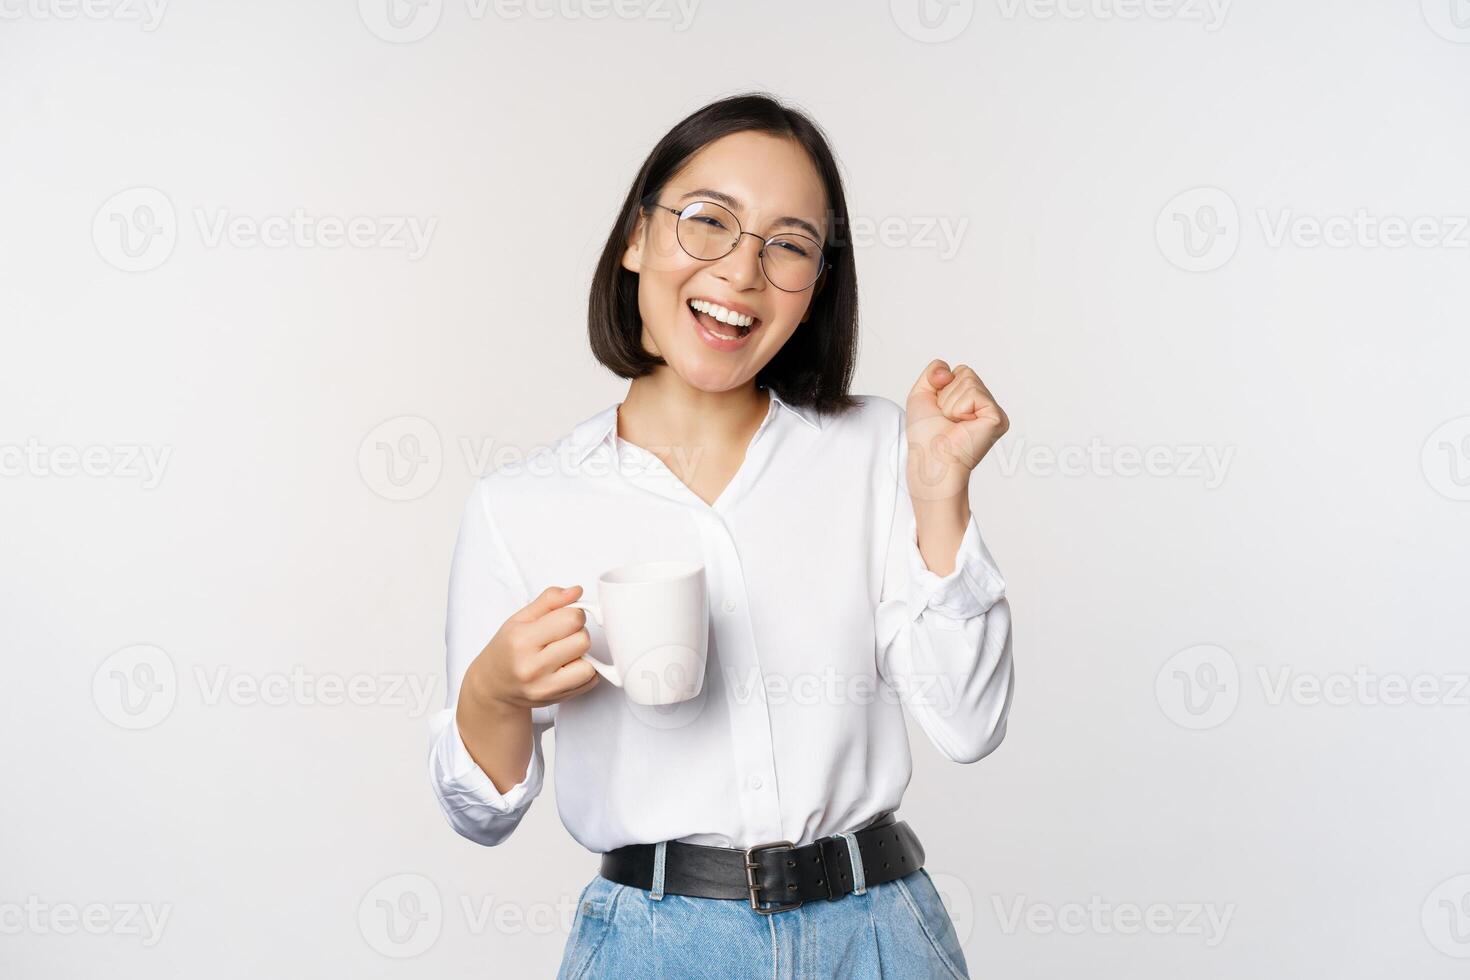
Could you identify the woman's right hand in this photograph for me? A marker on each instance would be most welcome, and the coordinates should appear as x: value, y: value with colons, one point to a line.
x: 536, y: 657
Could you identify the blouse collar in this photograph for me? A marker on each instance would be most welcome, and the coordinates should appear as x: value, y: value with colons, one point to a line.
x: 600, y: 428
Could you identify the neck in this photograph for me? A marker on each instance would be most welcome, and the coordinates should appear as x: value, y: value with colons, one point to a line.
x: 662, y: 409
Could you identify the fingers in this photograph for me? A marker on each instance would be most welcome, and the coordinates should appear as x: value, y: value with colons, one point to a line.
x: 936, y: 375
x: 966, y: 397
x: 551, y: 599
x: 556, y: 624
x: 962, y: 397
x: 562, y: 651
x: 549, y: 617
x: 574, y: 678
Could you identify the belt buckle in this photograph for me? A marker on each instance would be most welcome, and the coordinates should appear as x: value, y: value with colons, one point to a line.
x: 752, y: 866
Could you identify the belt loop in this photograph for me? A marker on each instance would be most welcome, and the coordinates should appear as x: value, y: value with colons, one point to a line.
x: 855, y: 858
x: 659, y: 857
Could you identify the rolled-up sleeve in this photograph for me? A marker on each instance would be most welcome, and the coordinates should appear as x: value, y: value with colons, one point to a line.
x: 944, y: 642
x: 485, y: 589
x: 470, y: 801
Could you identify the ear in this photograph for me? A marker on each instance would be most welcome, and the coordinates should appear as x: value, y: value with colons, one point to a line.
x: 633, y: 253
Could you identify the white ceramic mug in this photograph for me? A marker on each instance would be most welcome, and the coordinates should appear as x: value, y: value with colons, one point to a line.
x: 656, y: 616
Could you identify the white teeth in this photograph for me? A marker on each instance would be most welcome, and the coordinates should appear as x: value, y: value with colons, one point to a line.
x: 720, y: 313
x: 722, y: 335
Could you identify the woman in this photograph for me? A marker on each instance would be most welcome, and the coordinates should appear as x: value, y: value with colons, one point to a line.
x: 747, y: 831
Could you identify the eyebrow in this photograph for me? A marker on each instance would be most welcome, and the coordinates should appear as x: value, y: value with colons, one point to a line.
x: 734, y: 205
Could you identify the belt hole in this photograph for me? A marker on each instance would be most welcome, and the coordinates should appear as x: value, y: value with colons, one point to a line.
x: 882, y: 842
x: 819, y: 881
x: 790, y: 864
x: 792, y: 887
x: 816, y: 859
x: 885, y: 864
x: 903, y: 857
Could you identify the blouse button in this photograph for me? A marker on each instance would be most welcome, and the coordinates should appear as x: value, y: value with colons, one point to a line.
x: 729, y: 605
x: 756, y: 782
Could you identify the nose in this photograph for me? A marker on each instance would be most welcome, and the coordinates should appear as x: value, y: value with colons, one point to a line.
x: 741, y: 268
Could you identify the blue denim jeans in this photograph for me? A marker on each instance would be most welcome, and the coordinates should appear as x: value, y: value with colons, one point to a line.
x: 898, y: 929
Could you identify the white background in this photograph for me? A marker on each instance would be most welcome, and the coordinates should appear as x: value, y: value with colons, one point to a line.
x: 1156, y: 769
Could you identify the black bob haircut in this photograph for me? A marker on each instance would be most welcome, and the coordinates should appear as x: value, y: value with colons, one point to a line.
x: 815, y: 366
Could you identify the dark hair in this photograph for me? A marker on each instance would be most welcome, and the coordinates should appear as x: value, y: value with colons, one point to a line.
x: 815, y: 366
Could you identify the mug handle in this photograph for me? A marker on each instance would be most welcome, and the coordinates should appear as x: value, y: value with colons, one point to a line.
x: 608, y: 671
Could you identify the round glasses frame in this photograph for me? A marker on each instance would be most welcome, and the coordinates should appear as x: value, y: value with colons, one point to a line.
x: 740, y: 232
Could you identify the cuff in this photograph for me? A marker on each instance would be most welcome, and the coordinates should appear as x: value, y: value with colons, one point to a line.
x: 969, y: 591
x: 462, y: 784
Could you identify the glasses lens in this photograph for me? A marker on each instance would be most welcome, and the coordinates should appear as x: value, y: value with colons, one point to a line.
x: 707, y: 231
x: 792, y: 262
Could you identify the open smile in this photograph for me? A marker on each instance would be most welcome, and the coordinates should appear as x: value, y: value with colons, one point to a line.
x: 720, y: 326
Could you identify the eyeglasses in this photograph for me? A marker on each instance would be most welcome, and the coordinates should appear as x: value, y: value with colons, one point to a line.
x: 708, y: 231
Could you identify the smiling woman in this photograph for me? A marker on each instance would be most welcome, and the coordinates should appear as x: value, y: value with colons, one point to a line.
x: 737, y: 192
x: 742, y: 831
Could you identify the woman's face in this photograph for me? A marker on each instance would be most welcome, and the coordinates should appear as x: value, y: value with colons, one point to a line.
x: 764, y: 180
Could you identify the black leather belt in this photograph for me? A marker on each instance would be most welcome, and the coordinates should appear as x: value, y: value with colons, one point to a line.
x: 774, y: 877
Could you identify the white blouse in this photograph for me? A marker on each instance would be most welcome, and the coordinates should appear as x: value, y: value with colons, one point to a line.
x: 823, y: 616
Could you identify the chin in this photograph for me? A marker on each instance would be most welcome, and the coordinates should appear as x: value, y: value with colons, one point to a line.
x: 709, y: 378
